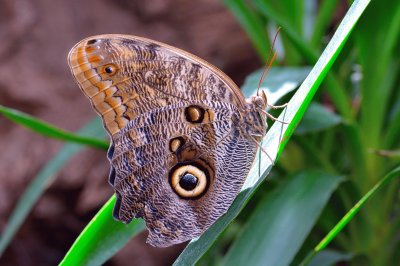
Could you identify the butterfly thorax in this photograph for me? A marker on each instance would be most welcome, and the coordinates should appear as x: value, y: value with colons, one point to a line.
x: 254, y: 120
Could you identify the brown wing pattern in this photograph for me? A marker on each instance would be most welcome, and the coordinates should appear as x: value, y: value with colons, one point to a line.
x: 180, y: 151
x: 124, y: 76
x: 143, y: 163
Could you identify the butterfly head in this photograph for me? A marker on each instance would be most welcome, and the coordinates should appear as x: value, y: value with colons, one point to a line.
x: 260, y: 100
x: 257, y: 102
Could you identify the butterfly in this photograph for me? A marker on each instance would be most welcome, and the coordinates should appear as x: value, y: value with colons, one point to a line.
x: 183, y: 136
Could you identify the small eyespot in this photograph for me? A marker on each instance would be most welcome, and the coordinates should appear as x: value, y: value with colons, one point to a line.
x: 189, y: 181
x: 110, y: 69
x: 92, y: 41
x: 176, y: 143
x: 194, y: 114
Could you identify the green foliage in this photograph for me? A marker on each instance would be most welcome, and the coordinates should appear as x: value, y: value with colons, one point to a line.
x: 36, y: 188
x: 349, y: 133
x: 288, y: 212
x: 363, y: 93
x: 317, y: 118
x: 101, y: 238
x: 48, y: 130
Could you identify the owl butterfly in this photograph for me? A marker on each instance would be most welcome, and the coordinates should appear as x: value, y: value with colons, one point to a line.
x: 183, y: 137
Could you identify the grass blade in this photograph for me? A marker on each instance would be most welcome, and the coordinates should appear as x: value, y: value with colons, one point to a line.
x: 317, y: 118
x: 323, y: 65
x: 336, y: 91
x: 292, y: 114
x: 253, y: 25
x: 49, y: 130
x: 330, y: 258
x: 282, y: 220
x: 39, y: 183
x: 325, y: 14
x: 350, y: 214
x: 101, y: 238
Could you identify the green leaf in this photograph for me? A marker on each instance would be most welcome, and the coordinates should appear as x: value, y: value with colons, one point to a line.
x: 282, y: 220
x: 279, y: 82
x: 268, y: 9
x: 393, y: 130
x: 253, y: 25
x: 325, y: 14
x: 40, y: 182
x: 350, y: 214
x: 336, y: 91
x: 317, y: 118
x: 375, y: 55
x: 292, y: 114
x: 49, y: 130
x: 101, y: 238
x: 330, y: 258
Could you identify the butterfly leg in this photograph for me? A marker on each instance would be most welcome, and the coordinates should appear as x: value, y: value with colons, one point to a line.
x: 262, y: 149
x: 273, y: 118
x: 277, y: 106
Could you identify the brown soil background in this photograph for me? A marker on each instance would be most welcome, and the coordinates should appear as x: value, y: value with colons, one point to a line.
x: 35, y: 37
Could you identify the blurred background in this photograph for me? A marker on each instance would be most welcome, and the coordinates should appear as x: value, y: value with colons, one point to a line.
x: 349, y: 134
x: 35, y: 38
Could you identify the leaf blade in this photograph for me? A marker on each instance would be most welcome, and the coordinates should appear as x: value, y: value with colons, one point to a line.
x: 38, y: 185
x: 350, y: 214
x: 92, y: 247
x: 317, y: 118
x: 48, y: 130
x: 282, y: 220
x: 253, y: 25
x: 294, y: 112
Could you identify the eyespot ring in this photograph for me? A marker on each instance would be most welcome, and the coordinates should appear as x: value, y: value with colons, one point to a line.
x: 189, y: 180
x: 110, y: 69
x: 194, y: 114
x: 176, y: 143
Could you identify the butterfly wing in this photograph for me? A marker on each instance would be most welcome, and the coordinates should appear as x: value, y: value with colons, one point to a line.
x: 124, y: 76
x: 178, y: 155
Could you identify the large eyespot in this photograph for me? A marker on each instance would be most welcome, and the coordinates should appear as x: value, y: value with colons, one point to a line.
x: 194, y: 114
x: 110, y: 69
x: 189, y: 181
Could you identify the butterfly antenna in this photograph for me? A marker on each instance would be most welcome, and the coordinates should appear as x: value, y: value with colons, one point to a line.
x: 269, y: 62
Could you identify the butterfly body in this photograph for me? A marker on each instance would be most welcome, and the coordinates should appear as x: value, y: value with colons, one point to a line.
x: 183, y: 135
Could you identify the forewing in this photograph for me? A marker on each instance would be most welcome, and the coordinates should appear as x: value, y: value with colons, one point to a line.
x: 125, y: 76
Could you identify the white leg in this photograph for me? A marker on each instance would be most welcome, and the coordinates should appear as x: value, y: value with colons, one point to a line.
x: 277, y: 106
x: 273, y: 118
x: 262, y: 149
